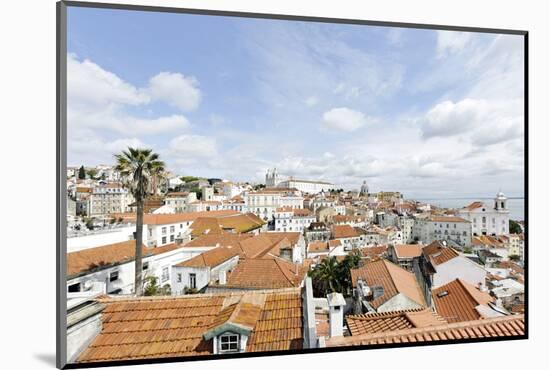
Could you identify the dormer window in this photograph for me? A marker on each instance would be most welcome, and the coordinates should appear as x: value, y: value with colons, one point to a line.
x: 228, y: 342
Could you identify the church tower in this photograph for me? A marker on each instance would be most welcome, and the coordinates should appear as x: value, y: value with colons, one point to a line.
x: 501, y: 202
x: 271, y: 178
x: 364, y: 189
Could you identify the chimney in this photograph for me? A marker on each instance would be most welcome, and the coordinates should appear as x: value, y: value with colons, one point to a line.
x: 83, y: 323
x: 223, y: 277
x: 336, y: 303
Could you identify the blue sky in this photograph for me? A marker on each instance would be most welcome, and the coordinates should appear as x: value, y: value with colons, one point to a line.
x: 429, y: 113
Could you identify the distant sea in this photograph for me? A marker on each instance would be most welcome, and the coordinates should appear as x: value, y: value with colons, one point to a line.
x: 515, y: 205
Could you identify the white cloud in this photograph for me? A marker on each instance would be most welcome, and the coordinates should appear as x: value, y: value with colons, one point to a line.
x: 90, y: 85
x: 345, y: 119
x: 311, y: 101
x: 448, y: 118
x: 451, y: 42
x: 99, y: 99
x: 189, y: 147
x: 481, y: 122
x: 176, y: 89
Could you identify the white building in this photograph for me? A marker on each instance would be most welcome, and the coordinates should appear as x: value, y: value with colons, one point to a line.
x: 488, y: 219
x: 113, y: 265
x: 162, y: 229
x: 273, y: 179
x: 289, y: 219
x: 231, y: 189
x: 264, y: 203
x: 454, y: 229
x: 108, y: 198
x: 180, y: 200
x: 441, y: 264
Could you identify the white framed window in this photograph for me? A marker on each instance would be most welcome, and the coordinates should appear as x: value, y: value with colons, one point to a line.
x: 113, y: 276
x: 165, y: 274
x: 179, y: 278
x: 193, y: 281
x: 229, y: 342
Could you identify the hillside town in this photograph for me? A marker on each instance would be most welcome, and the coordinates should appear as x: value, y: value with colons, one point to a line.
x: 285, y: 264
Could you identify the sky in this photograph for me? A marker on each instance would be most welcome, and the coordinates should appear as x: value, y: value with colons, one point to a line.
x: 429, y: 113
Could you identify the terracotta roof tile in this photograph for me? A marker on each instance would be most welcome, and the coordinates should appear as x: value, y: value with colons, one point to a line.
x: 270, y: 273
x: 391, y: 321
x: 212, y: 240
x: 457, y: 301
x: 90, y: 259
x: 344, y: 231
x: 161, y: 219
x: 447, y: 219
x: 496, y: 327
x: 139, y: 328
x: 392, y: 278
x: 314, y: 247
x: 437, y: 253
x: 408, y: 250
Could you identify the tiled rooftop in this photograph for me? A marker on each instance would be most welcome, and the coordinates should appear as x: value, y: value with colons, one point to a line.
x: 392, y: 278
x: 172, y: 327
x: 408, y: 250
x: 506, y: 326
x: 266, y: 273
x: 457, y: 301
x: 391, y: 321
x: 343, y: 231
x: 80, y: 262
x: 437, y: 253
x: 161, y: 219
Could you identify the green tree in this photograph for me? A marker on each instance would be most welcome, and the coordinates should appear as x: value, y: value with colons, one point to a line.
x: 151, y: 287
x: 325, y: 277
x: 351, y: 261
x: 138, y: 167
x: 515, y: 228
x: 198, y: 191
x: 514, y: 257
x: 92, y: 173
x: 188, y: 178
x: 81, y: 173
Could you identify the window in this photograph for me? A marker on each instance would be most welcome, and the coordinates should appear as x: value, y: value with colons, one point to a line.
x: 145, y: 266
x: 172, y: 229
x: 74, y: 288
x: 171, y: 238
x: 179, y: 278
x: 229, y: 342
x: 113, y: 276
x: 165, y: 274
x: 164, y: 230
x: 163, y: 240
x: 193, y: 281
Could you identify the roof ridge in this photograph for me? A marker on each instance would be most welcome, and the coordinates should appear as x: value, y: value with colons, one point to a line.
x: 283, y: 272
x: 435, y: 328
x: 385, y: 262
x: 464, y: 285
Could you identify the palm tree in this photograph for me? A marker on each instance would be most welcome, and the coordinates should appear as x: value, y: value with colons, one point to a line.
x: 138, y: 167
x: 326, y: 276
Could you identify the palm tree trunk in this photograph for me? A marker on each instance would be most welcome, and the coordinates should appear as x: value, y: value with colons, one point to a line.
x: 139, y: 242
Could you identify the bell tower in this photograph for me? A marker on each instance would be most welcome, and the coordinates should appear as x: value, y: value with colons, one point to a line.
x: 501, y: 202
